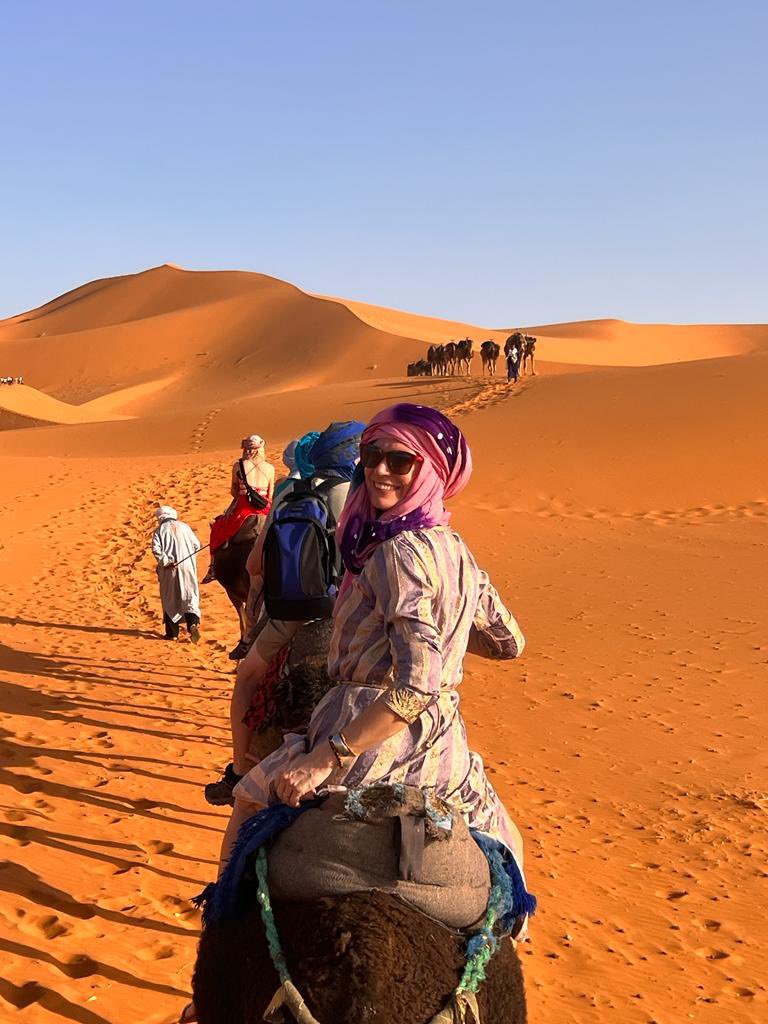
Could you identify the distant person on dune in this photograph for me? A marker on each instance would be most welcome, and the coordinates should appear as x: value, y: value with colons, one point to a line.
x: 174, y: 546
x: 251, y: 487
x: 513, y: 364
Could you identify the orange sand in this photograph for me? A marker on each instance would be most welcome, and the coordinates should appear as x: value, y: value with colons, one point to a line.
x: 622, y: 511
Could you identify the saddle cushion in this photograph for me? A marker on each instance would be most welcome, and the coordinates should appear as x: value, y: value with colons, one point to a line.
x: 324, y: 853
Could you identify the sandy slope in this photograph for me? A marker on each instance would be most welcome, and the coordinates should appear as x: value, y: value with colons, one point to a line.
x: 622, y: 513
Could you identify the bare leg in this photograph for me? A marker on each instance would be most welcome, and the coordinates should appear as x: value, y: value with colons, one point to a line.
x: 250, y: 673
x: 242, y: 811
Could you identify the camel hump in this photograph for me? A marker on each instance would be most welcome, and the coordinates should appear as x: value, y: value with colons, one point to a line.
x: 423, y: 853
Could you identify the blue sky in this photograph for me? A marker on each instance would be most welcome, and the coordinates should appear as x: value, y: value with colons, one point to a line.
x: 502, y: 163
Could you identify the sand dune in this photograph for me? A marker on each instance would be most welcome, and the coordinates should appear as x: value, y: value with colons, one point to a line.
x: 621, y: 512
x: 33, y: 404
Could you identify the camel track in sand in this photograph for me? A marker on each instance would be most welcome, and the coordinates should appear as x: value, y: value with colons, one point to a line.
x: 492, y: 392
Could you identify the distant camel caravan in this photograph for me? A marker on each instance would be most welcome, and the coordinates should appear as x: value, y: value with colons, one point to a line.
x: 445, y: 360
x: 455, y: 357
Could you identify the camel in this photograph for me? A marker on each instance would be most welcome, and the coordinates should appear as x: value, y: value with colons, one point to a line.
x: 526, y: 345
x: 450, y: 358
x: 436, y: 359
x: 229, y: 570
x: 464, y: 355
x: 421, y: 368
x: 529, y: 353
x: 489, y: 353
x: 361, y: 957
x: 342, y: 951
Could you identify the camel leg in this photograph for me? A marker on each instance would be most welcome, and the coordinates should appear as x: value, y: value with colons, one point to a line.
x: 239, y: 605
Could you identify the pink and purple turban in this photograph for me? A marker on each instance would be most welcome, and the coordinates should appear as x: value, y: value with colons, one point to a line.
x: 444, y: 472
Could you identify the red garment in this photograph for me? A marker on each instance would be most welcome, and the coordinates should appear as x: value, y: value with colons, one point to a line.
x: 263, y: 707
x: 226, y: 526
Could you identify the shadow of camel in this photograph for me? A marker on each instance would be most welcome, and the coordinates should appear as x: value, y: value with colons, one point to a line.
x: 84, y: 967
x: 21, y: 996
x: 14, y: 620
x: 20, y: 881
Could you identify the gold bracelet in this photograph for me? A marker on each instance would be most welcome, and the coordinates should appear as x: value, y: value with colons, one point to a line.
x: 343, y: 738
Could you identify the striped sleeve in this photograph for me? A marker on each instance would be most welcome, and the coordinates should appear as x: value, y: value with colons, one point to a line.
x: 495, y: 632
x: 406, y: 594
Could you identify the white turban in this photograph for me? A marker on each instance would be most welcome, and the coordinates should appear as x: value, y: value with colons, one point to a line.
x: 254, y: 441
x: 166, y: 512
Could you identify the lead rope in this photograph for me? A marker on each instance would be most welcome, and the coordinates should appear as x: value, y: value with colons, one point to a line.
x: 287, y: 995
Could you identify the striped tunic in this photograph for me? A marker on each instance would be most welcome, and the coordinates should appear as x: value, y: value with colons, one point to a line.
x: 401, y: 630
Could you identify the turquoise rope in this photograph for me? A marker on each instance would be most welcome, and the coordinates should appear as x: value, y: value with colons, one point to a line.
x: 267, y: 917
x: 483, y: 944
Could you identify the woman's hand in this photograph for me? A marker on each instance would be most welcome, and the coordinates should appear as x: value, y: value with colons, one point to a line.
x: 305, y: 775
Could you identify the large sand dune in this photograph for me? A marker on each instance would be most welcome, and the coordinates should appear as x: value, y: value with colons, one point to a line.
x: 622, y: 512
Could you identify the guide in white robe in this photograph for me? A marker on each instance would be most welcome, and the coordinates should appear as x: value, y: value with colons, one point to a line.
x: 172, y: 542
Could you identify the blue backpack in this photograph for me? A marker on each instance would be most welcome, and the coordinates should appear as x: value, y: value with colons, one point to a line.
x: 302, y: 564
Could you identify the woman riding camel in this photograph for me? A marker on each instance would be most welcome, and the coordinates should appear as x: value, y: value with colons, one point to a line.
x: 412, y: 603
x: 251, y: 487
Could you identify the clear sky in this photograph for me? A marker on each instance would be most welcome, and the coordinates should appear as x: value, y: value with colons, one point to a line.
x: 499, y: 162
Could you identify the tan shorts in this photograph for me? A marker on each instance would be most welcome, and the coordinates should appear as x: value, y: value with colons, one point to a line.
x: 272, y: 636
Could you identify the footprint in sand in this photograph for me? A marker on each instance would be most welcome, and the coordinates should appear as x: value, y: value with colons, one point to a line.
x: 712, y: 954
x: 161, y: 953
x: 52, y: 927
x: 157, y: 846
x: 80, y: 965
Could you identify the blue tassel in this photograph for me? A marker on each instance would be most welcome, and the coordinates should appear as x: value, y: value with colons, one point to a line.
x: 219, y: 900
x: 515, y: 900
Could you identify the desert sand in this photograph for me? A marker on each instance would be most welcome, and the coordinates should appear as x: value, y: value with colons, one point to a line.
x: 619, y: 501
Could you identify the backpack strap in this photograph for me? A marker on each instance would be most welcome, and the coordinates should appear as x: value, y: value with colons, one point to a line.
x: 257, y: 500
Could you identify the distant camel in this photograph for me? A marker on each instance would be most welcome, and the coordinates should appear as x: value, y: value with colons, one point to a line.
x: 489, y: 353
x: 529, y: 353
x: 526, y: 347
x: 420, y: 368
x: 436, y: 359
x: 464, y: 355
x: 450, y: 358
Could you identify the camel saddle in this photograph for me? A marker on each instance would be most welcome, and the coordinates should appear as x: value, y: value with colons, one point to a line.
x: 392, y: 838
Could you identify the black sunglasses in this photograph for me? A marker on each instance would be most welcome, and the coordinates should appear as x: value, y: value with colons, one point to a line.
x: 399, y: 463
